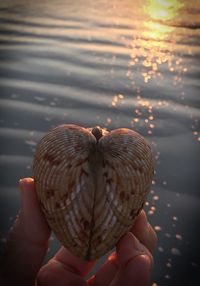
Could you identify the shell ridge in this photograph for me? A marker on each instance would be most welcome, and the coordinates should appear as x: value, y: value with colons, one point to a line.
x: 91, y: 184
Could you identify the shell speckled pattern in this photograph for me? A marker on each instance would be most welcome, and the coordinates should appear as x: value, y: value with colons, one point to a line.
x: 91, y: 185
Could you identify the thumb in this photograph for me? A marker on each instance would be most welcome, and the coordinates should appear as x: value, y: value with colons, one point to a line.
x: 135, y: 261
x: 27, y: 241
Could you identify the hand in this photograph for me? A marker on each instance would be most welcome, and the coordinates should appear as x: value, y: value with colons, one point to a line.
x: 27, y: 245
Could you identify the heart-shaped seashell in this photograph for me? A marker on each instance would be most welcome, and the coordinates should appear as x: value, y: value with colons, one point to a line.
x: 91, y: 185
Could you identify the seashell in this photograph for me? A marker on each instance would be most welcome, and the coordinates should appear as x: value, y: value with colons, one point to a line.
x: 91, y: 185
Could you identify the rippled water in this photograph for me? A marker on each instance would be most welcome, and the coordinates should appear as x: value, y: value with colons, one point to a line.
x: 115, y: 64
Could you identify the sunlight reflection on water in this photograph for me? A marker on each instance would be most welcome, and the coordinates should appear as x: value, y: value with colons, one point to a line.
x: 115, y: 64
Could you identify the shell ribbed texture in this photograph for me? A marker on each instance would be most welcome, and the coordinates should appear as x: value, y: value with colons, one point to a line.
x: 91, y: 190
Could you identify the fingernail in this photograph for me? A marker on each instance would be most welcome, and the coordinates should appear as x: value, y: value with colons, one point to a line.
x: 143, y: 227
x: 25, y: 183
x: 136, y: 245
x: 26, y: 187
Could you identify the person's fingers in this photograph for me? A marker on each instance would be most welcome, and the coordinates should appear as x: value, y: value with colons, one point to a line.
x: 130, y: 256
x: 146, y: 236
x: 55, y: 273
x: 106, y: 273
x: 144, y: 231
x: 35, y: 227
x: 135, y: 262
x: 27, y: 241
x: 73, y: 270
x: 136, y: 272
x: 76, y: 264
x: 129, y: 247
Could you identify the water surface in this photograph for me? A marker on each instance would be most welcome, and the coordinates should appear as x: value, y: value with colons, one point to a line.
x: 131, y: 64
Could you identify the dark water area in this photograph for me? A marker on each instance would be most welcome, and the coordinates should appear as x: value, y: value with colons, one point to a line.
x: 133, y: 64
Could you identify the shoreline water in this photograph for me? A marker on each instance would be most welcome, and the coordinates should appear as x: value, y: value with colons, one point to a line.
x: 113, y: 64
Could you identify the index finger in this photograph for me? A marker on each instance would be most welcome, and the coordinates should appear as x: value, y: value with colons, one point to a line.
x: 27, y: 242
x: 64, y: 268
x: 74, y: 263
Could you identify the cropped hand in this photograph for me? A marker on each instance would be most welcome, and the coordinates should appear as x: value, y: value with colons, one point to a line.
x: 28, y: 241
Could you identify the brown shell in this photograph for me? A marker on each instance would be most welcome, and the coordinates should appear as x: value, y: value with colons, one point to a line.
x: 91, y: 185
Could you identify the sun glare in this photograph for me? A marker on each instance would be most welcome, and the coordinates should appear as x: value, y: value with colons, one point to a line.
x: 152, y: 53
x: 163, y: 10
x: 154, y: 46
x: 160, y: 12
